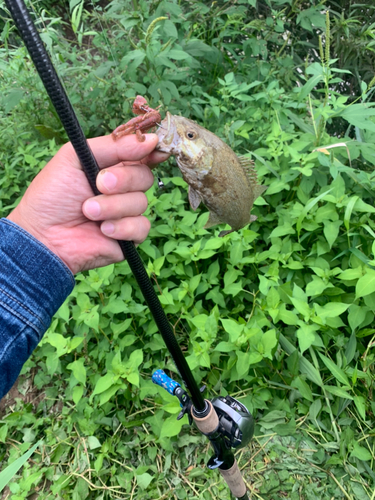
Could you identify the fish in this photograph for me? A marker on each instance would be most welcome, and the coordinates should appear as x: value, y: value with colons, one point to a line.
x: 225, y: 183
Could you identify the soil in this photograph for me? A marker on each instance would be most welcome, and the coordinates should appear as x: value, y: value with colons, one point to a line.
x: 29, y: 394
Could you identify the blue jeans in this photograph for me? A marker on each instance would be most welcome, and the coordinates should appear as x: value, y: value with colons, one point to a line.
x: 34, y: 282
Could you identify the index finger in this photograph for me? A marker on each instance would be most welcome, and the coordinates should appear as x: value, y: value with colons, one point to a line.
x: 108, y: 151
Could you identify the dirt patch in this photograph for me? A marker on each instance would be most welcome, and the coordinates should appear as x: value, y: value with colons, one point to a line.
x: 5, y: 494
x: 23, y: 389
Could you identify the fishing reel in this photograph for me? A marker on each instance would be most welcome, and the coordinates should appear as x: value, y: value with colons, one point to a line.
x: 236, y: 424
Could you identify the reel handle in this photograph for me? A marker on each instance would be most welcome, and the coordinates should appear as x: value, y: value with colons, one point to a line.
x: 161, y: 378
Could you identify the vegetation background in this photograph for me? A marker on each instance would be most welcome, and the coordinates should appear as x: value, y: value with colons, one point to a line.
x: 280, y: 314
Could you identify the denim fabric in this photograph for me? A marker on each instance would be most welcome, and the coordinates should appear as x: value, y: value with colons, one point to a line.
x: 34, y: 283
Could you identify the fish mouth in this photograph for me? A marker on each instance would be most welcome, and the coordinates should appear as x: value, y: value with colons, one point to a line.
x: 167, y: 134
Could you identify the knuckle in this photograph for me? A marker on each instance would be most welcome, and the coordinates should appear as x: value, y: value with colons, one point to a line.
x: 128, y: 178
x: 137, y: 228
x: 137, y: 178
x: 144, y: 229
x: 146, y: 224
x: 149, y: 178
x: 143, y: 202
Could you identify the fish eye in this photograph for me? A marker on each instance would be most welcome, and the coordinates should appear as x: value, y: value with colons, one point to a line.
x: 191, y: 134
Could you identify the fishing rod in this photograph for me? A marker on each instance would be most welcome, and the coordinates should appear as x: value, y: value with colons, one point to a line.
x: 225, y: 421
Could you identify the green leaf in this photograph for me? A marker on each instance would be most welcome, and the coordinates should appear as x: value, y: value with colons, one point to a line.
x: 306, y: 336
x: 99, y: 462
x: 108, y: 393
x: 143, y: 480
x: 93, y: 442
x: 91, y: 318
x: 360, y: 452
x: 309, y: 85
x: 233, y: 289
x: 348, y: 211
x: 79, y: 371
x: 359, y: 401
x: 361, y: 206
x: 225, y: 347
x: 77, y: 393
x: 12, y: 99
x: 64, y: 312
x: 283, y: 230
x: 171, y: 426
x: 351, y: 348
x: 337, y: 372
x: 12, y: 469
x: 170, y: 29
x: 351, y: 274
x: 3, y: 433
x: 305, y: 366
x: 287, y: 429
x: 331, y: 309
x: 269, y: 341
x: 133, y: 55
x: 331, y: 231
x: 233, y: 328
x: 301, y: 306
x: 105, y: 383
x: 287, y: 317
x: 315, y: 287
x: 133, y: 378
x: 135, y: 359
x: 273, y: 298
x: 58, y: 341
x: 311, y: 204
x: 74, y: 342
x: 178, y: 55
x: 303, y: 388
x: 366, y: 284
x: 242, y: 364
x: 338, y: 391
x: 358, y: 114
x: 356, y: 316
x: 314, y: 409
x: 272, y: 418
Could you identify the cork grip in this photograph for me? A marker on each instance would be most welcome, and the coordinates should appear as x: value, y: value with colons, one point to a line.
x: 234, y: 480
x: 207, y: 424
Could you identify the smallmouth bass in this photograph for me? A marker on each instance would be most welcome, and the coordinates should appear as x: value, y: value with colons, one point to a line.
x: 224, y: 182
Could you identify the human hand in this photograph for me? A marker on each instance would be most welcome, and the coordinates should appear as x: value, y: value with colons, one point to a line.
x: 59, y: 209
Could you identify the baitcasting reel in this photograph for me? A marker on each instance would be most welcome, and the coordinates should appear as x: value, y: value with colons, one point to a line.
x: 236, y: 424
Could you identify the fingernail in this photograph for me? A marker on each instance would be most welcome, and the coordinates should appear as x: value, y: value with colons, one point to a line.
x: 150, y: 137
x: 107, y: 228
x: 109, y: 180
x: 92, y: 208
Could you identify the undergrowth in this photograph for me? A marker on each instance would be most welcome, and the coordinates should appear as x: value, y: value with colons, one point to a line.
x: 280, y: 314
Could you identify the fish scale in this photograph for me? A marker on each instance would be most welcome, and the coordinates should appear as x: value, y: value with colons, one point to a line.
x: 226, y: 183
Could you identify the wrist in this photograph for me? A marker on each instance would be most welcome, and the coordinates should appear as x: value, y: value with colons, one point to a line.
x: 26, y: 223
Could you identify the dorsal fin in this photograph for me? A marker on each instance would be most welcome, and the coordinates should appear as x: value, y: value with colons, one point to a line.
x: 248, y: 167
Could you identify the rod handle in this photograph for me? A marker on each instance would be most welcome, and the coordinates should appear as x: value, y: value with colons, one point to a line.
x: 235, y: 482
x: 161, y: 378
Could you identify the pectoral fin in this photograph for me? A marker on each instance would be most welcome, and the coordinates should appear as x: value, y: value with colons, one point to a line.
x: 259, y: 190
x: 224, y: 233
x: 213, y: 220
x: 194, y: 198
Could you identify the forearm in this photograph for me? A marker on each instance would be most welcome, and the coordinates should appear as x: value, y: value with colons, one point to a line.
x: 34, y: 283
